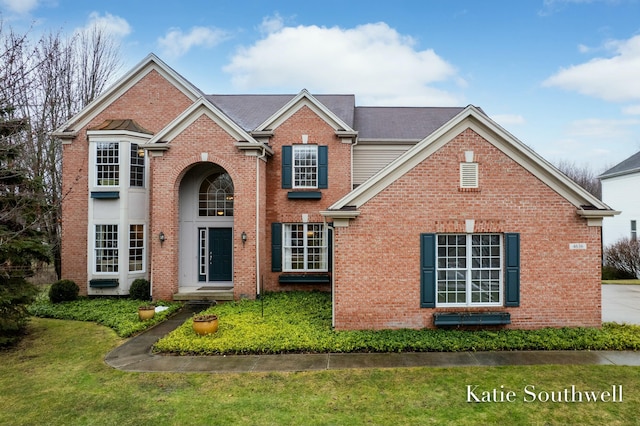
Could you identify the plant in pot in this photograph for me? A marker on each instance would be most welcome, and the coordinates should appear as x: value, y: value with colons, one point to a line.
x: 204, y: 324
x: 146, y: 312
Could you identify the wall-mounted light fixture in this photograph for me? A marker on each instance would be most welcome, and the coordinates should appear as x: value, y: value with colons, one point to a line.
x: 161, y: 237
x: 140, y: 152
x: 244, y: 237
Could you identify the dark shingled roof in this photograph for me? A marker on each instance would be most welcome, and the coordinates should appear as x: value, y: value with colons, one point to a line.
x: 249, y: 111
x: 130, y: 125
x: 383, y: 123
x: 630, y: 165
x: 401, y: 122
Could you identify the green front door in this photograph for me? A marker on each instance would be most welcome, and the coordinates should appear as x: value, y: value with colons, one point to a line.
x: 220, y: 254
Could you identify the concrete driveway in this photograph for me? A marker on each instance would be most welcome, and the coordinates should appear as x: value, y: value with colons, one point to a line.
x: 621, y: 303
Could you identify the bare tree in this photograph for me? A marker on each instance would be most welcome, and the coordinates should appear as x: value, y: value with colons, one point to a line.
x: 624, y: 255
x: 584, y: 176
x: 50, y: 82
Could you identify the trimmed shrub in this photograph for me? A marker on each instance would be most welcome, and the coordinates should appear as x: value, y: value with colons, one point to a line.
x: 63, y: 291
x: 140, y: 289
x: 611, y: 273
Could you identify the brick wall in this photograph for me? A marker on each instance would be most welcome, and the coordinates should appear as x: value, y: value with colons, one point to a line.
x: 153, y: 103
x: 278, y: 207
x: 559, y: 287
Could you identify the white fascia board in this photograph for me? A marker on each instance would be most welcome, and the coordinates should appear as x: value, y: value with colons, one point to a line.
x: 191, y: 114
x: 291, y: 107
x: 148, y: 64
x: 472, y: 118
x: 534, y: 163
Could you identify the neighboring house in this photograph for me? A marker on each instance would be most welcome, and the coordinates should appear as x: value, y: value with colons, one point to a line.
x: 405, y: 214
x: 620, y: 189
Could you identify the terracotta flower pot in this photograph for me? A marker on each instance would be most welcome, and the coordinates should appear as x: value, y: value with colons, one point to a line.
x: 146, y: 312
x: 205, y: 324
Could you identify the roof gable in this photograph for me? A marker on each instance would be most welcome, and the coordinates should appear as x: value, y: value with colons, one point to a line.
x: 304, y: 98
x: 150, y: 63
x: 196, y: 110
x: 628, y: 166
x: 470, y: 117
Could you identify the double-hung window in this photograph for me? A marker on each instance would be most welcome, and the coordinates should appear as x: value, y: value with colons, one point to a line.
x: 634, y: 232
x: 107, y: 164
x: 136, y: 166
x: 305, y: 166
x: 136, y: 248
x: 469, y: 269
x: 305, y: 247
x: 106, y: 248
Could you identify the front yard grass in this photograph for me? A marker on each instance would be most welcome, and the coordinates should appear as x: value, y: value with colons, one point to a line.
x: 57, y: 376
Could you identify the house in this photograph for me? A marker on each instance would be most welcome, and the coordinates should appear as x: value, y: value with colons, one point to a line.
x: 411, y: 217
x: 617, y: 185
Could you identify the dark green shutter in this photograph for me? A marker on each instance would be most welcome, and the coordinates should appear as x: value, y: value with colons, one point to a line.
x: 427, y: 270
x: 276, y: 247
x: 287, y: 167
x: 323, y: 167
x: 512, y: 269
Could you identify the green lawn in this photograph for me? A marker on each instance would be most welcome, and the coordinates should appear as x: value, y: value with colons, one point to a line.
x: 625, y: 282
x: 57, y: 376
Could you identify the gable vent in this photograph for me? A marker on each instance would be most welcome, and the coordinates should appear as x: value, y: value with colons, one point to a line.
x: 468, y: 175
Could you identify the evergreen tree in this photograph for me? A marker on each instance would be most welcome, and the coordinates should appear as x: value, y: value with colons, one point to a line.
x: 21, y: 242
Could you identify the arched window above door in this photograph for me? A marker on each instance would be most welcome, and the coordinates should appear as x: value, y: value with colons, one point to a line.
x: 216, y: 195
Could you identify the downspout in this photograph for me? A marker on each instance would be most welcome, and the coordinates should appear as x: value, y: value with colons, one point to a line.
x: 329, y: 225
x: 258, y: 158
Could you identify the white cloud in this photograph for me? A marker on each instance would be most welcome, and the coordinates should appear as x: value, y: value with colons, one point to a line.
x: 373, y: 61
x: 603, y: 129
x: 20, y: 6
x: 631, y: 110
x: 177, y: 43
x: 508, y: 119
x: 613, y: 79
x: 111, y: 24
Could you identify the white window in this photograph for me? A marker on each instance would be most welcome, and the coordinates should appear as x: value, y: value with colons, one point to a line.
x: 468, y: 175
x: 305, y: 166
x: 216, y: 196
x: 106, y: 248
x: 136, y: 248
x: 107, y: 164
x: 469, y: 269
x: 136, y: 167
x: 305, y: 247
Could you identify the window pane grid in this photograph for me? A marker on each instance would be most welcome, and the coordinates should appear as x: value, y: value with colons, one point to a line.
x: 305, y: 247
x: 136, y: 248
x: 136, y: 177
x: 106, y: 248
x: 107, y: 164
x: 469, y: 269
x: 305, y: 166
x: 216, y: 196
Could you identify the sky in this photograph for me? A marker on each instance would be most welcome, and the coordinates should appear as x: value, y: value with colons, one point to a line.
x: 562, y: 76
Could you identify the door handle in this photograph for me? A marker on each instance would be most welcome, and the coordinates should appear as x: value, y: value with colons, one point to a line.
x: 210, y: 257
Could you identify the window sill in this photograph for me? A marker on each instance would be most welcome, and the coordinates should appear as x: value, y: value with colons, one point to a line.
x: 105, y: 195
x: 304, y: 195
x: 304, y: 279
x: 469, y: 189
x: 471, y: 318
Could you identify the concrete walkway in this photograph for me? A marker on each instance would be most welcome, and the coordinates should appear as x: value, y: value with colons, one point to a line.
x: 619, y: 304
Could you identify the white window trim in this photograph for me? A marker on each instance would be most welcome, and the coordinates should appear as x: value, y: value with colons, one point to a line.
x: 469, y: 268
x: 144, y: 248
x: 96, y: 248
x: 293, y: 166
x: 286, y: 245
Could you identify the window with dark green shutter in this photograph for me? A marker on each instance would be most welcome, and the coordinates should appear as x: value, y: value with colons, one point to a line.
x: 305, y: 167
x: 470, y: 270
